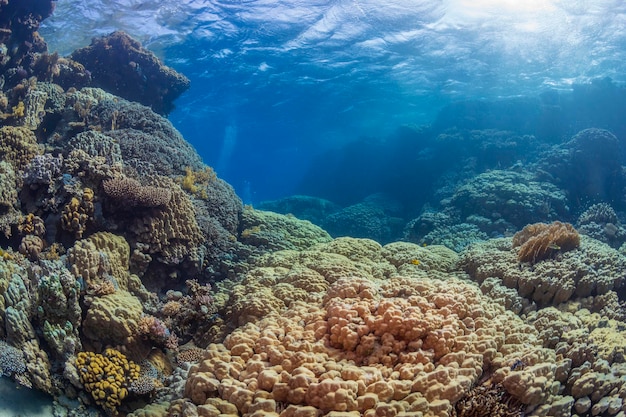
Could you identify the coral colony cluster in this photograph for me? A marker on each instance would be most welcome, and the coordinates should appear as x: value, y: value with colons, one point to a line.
x: 134, y: 282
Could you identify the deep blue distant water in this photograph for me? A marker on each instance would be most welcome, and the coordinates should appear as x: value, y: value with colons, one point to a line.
x: 284, y: 92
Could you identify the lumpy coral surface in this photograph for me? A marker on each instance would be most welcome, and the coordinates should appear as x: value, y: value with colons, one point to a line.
x: 134, y: 282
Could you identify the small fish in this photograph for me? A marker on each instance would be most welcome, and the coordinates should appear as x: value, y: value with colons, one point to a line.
x: 415, y: 261
x: 424, y: 245
x: 554, y: 246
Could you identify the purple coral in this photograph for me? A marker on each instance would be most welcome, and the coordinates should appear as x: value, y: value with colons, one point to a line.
x: 43, y: 169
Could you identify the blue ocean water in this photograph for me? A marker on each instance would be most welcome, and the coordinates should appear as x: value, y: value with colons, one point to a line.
x: 287, y: 96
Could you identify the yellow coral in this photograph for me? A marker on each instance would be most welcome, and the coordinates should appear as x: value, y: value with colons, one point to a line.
x: 18, y: 110
x: 195, y: 182
x: 77, y: 213
x: 106, y: 376
x: 7, y: 256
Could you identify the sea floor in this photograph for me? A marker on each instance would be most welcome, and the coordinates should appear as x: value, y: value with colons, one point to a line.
x: 16, y: 401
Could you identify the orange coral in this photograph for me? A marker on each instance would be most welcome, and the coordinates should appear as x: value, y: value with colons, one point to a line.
x: 540, y: 240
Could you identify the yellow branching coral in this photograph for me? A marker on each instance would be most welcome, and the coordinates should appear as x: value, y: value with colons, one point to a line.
x: 195, y: 182
x: 107, y: 376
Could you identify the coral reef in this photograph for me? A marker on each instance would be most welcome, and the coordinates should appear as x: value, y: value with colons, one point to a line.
x: 509, y: 199
x: 376, y: 217
x: 593, y: 269
x: 121, y: 65
x: 587, y: 167
x: 362, y: 347
x: 313, y: 209
x: 133, y: 279
x: 273, y: 231
x: 600, y: 221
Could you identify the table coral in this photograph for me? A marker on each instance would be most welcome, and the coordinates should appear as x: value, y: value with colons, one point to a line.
x: 107, y: 376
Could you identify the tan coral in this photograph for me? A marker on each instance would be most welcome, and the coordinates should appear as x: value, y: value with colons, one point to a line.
x: 31, y: 246
x: 31, y: 224
x: 128, y: 193
x: 100, y: 256
x: 540, y: 241
x: 406, y: 256
x: 171, y: 231
x: 78, y: 212
x: 113, y: 318
x: 552, y: 281
x: 421, y: 344
x: 9, y: 201
x: 18, y: 145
